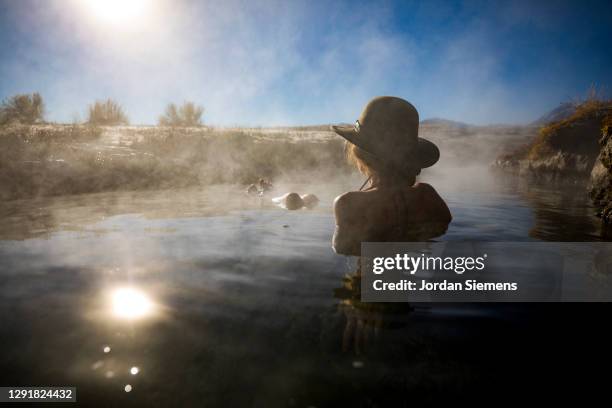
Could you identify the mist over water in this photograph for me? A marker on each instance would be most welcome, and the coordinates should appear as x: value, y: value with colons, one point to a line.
x: 183, y: 289
x: 236, y: 287
x: 174, y: 173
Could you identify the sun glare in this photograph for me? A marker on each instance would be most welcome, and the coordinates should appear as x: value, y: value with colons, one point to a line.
x: 118, y: 11
x: 130, y: 304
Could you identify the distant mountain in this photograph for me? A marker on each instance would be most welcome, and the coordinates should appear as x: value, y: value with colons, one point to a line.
x: 563, y: 111
x: 444, y: 122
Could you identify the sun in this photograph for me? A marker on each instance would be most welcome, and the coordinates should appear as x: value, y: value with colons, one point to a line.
x: 118, y: 11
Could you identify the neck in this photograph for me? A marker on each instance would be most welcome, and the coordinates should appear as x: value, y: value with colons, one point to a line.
x: 395, y: 182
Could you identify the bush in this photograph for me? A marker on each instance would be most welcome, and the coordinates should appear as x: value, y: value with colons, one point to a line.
x: 107, y: 113
x: 572, y: 133
x: 63, y: 159
x: 22, y: 109
x: 189, y: 114
x: 46, y: 160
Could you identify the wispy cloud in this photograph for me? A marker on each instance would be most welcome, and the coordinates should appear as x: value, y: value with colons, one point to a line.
x: 277, y: 62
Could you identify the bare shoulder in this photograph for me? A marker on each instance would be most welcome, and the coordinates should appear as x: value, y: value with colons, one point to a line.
x: 427, y: 191
x: 348, y: 203
x: 349, y: 210
x: 435, y: 203
x: 344, y: 200
x: 425, y: 188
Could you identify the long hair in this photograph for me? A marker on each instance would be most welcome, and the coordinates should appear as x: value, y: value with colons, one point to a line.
x: 371, y: 166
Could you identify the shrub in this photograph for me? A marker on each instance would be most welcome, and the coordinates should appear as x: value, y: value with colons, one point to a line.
x: 22, y: 109
x: 189, y: 114
x: 560, y: 135
x: 107, y: 113
x: 63, y: 159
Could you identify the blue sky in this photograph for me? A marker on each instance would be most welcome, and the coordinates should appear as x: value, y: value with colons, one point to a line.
x: 307, y: 62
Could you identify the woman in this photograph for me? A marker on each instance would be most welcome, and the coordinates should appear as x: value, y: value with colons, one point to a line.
x: 384, y: 145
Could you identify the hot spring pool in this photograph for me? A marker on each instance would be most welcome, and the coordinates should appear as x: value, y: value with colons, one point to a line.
x: 212, y: 297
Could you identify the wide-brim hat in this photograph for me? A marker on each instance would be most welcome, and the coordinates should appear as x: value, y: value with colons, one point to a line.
x: 388, y: 129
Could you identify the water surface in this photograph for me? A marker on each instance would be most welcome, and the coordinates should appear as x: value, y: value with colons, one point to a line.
x: 212, y: 297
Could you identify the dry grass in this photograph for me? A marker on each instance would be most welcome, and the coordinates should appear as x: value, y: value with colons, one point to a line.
x: 552, y: 138
x: 59, y: 160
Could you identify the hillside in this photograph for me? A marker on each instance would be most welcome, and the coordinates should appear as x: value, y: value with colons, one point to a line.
x: 443, y: 122
x: 562, y: 150
x: 575, y: 149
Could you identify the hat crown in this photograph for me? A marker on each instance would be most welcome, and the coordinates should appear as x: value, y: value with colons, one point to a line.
x: 391, y: 115
x: 388, y: 129
x: 391, y: 126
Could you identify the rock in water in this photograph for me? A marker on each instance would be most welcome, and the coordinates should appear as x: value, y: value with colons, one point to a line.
x: 601, y: 175
x: 564, y: 151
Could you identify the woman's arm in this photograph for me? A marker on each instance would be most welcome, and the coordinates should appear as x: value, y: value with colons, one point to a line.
x: 436, y: 207
x: 347, y: 235
x: 435, y: 215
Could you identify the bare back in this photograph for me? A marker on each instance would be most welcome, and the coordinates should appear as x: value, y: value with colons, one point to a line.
x: 387, y: 214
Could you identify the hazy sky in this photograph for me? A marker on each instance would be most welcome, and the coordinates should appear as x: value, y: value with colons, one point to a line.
x: 293, y: 62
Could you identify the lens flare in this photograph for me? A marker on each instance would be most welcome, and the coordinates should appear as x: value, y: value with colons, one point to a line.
x: 131, y: 303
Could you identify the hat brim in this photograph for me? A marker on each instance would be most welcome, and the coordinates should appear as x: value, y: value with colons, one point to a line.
x: 428, y: 153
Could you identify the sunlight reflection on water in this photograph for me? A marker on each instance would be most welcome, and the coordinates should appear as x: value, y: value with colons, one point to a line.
x: 131, y: 303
